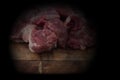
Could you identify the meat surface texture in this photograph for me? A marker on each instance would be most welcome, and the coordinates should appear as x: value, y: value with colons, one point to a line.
x: 53, y: 27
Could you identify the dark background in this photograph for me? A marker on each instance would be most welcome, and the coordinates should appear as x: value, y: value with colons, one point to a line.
x: 94, y: 11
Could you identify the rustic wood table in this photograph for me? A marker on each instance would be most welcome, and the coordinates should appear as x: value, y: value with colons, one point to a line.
x: 58, y: 61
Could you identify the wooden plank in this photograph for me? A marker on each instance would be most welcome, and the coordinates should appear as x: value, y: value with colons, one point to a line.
x: 59, y: 61
x: 27, y: 66
x: 68, y: 55
x: 63, y: 67
x: 21, y: 52
x: 50, y: 67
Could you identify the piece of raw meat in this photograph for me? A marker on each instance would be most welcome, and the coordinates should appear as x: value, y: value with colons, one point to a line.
x: 26, y: 32
x: 47, y: 28
x: 80, y: 35
x: 58, y: 27
x: 42, y: 40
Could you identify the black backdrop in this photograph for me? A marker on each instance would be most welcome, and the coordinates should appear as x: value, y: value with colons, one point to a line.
x: 11, y: 10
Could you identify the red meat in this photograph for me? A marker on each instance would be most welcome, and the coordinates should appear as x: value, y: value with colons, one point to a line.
x: 54, y: 27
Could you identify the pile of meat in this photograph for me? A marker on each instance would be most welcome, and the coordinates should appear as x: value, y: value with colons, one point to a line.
x: 53, y: 27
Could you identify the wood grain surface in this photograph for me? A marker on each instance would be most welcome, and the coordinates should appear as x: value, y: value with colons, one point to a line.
x: 55, y: 62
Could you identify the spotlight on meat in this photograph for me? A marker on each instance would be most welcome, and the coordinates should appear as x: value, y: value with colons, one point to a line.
x: 44, y: 29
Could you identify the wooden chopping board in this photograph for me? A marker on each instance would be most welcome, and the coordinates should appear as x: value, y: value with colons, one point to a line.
x: 58, y: 61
